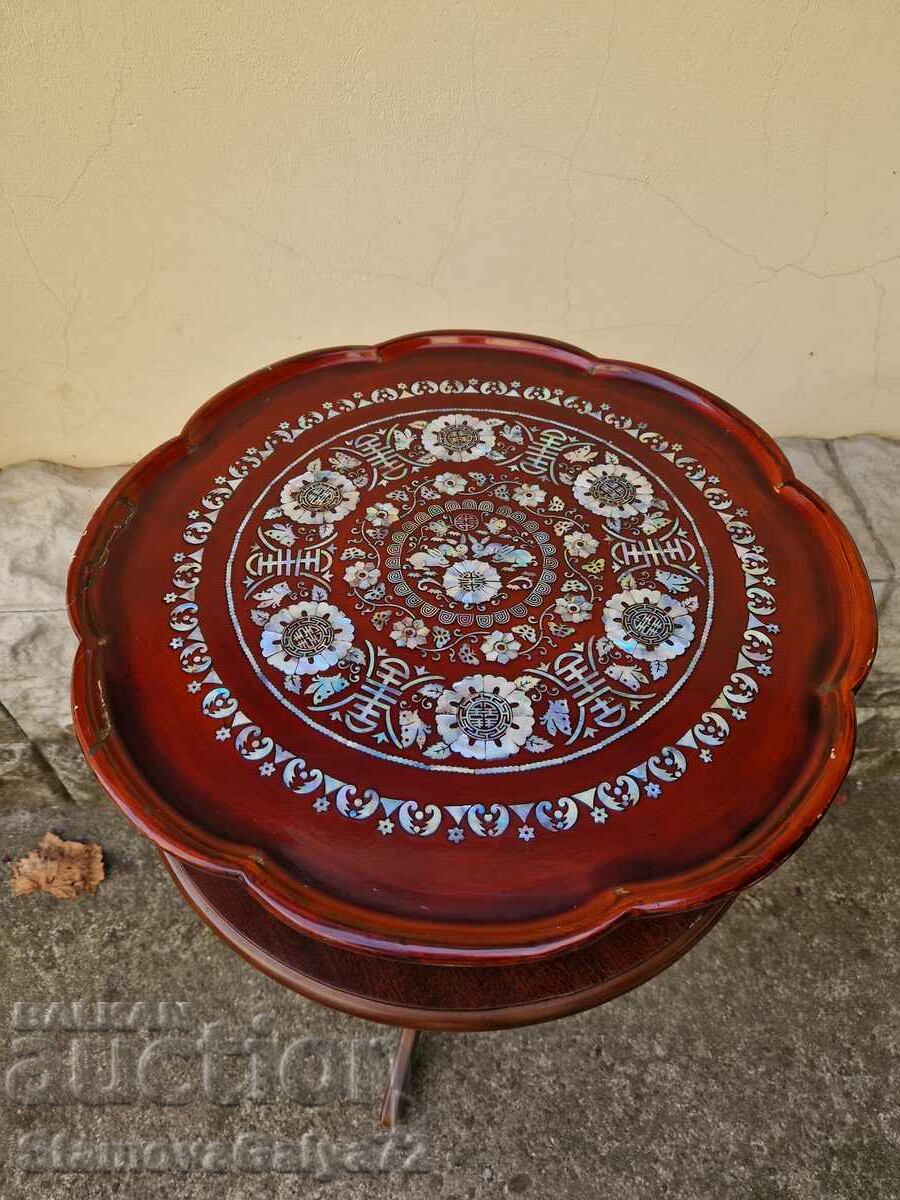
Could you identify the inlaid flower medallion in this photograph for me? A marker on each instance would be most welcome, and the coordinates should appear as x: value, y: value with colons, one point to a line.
x: 470, y: 590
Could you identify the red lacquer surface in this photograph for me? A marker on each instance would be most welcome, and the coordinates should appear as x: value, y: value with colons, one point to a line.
x: 676, y: 623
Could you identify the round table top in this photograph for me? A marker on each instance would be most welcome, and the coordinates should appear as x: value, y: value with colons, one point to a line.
x: 462, y: 647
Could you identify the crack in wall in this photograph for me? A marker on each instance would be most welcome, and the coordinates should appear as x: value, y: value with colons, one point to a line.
x: 570, y: 163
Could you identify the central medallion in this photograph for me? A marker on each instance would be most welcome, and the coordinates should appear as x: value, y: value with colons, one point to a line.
x: 471, y: 582
x: 475, y: 561
x: 470, y: 590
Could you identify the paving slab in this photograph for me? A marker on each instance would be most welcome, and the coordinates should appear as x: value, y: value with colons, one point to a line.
x: 44, y: 509
x: 815, y: 463
x: 36, y: 653
x: 871, y: 467
x: 886, y: 668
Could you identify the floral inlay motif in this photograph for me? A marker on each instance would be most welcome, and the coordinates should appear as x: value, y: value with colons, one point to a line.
x: 304, y: 638
x: 648, y: 625
x: 458, y: 437
x: 538, y: 592
x: 613, y: 491
x: 484, y: 716
x: 639, y: 561
x: 318, y: 497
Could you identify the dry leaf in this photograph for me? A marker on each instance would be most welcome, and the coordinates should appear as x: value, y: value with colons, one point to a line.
x: 64, y: 869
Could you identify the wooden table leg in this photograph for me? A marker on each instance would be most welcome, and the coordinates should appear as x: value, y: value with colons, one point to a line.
x: 393, y: 1097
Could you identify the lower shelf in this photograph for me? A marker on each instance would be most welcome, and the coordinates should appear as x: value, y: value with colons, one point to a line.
x: 428, y: 996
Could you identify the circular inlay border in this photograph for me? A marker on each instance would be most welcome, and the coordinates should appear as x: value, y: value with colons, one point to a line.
x: 378, y: 673
x: 612, y: 796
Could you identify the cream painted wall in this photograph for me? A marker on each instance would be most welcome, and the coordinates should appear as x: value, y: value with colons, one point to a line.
x: 190, y: 190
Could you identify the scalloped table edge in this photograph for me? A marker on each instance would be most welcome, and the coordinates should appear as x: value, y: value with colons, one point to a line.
x: 336, y: 921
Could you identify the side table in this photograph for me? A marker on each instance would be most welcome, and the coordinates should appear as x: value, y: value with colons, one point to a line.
x: 462, y: 681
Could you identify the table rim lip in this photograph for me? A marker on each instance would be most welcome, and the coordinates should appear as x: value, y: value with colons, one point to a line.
x: 339, y: 922
x: 458, y: 1020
